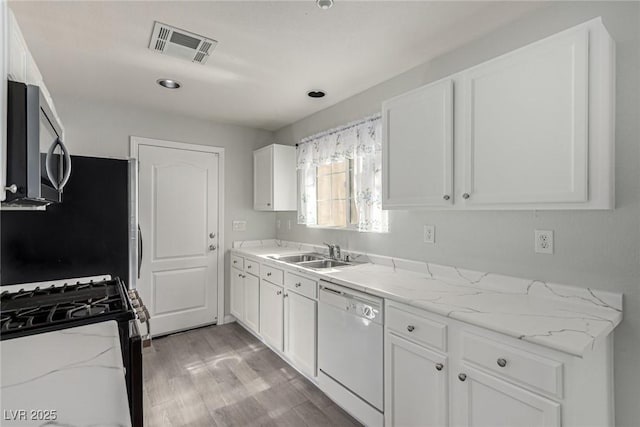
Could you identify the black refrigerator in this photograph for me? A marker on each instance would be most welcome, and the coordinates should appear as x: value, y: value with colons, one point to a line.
x: 85, y: 235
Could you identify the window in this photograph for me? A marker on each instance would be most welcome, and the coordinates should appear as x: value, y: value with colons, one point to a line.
x: 336, y: 202
x: 339, y: 174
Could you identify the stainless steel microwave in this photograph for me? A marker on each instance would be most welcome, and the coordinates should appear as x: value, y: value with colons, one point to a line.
x: 38, y: 162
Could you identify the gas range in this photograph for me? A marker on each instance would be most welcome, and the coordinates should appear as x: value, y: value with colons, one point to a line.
x: 45, y: 307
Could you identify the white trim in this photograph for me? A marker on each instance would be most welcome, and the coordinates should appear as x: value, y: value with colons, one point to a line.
x: 137, y: 141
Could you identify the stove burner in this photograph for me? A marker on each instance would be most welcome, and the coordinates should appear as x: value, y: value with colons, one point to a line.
x: 31, y: 311
x: 87, y: 310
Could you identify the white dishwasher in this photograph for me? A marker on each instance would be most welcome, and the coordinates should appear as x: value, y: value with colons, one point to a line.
x: 350, y: 350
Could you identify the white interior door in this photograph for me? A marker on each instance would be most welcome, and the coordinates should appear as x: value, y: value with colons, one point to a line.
x: 178, y: 195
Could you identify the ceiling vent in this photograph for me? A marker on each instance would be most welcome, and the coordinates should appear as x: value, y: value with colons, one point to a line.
x: 179, y: 43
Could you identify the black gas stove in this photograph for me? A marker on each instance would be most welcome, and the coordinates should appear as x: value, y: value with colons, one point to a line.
x: 26, y: 312
x: 49, y: 308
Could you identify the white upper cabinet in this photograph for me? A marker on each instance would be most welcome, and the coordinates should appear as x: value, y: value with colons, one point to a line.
x: 417, y: 147
x: 274, y: 178
x: 532, y: 129
x: 527, y: 124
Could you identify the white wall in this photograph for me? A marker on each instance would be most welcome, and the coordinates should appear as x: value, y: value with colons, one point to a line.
x: 593, y: 249
x: 103, y: 130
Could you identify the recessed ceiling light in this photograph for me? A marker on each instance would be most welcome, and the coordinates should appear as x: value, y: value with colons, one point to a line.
x: 324, y: 4
x: 169, y: 83
x: 316, y: 94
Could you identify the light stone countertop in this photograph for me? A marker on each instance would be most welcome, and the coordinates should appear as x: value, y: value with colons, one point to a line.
x: 77, y: 372
x: 564, y: 318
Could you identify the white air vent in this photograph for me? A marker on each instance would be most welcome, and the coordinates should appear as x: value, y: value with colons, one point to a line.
x: 180, y: 43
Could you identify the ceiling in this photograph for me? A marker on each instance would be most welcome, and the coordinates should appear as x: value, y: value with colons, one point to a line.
x: 270, y: 53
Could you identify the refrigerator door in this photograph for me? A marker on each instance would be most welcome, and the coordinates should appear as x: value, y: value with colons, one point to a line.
x: 134, y: 237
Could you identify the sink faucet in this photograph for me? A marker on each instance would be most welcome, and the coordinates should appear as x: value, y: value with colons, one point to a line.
x: 334, y: 250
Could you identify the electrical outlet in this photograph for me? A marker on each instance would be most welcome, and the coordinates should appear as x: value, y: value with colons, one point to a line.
x: 239, y: 226
x: 544, y: 241
x: 430, y: 234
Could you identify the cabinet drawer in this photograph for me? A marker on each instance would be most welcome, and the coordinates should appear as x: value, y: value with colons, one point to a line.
x: 301, y: 285
x: 273, y: 275
x: 417, y: 328
x: 252, y: 267
x: 237, y: 262
x: 513, y: 363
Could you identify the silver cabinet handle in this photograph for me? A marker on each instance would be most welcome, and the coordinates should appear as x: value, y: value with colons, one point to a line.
x: 462, y: 377
x: 11, y: 188
x: 439, y: 366
x: 466, y: 196
x: 446, y: 197
x: 410, y: 328
x: 502, y: 362
x: 212, y: 247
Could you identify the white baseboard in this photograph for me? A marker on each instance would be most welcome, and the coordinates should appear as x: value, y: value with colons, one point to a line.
x: 227, y: 319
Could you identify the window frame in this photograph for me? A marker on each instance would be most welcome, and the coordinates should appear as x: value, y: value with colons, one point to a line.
x: 350, y: 199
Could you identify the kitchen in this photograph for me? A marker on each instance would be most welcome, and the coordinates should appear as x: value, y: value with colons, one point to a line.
x: 416, y: 247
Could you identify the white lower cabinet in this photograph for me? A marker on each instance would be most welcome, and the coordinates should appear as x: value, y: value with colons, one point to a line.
x: 487, y: 401
x: 237, y: 293
x: 415, y: 386
x: 271, y: 314
x: 300, y: 331
x: 442, y: 372
x: 252, y: 302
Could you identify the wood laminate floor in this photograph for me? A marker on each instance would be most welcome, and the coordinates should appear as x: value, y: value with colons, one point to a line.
x: 224, y: 376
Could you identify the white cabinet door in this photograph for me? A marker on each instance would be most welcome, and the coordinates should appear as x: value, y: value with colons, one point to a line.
x: 252, y: 302
x: 527, y: 124
x: 486, y: 401
x: 417, y: 147
x: 271, y: 314
x: 300, y: 332
x: 263, y: 179
x: 18, y: 52
x: 415, y: 385
x: 237, y: 294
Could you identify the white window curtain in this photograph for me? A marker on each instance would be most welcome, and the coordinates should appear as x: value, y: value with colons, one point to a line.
x: 359, y: 141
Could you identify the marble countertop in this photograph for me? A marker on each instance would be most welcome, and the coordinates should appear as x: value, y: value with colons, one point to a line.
x: 76, y: 372
x: 565, y: 318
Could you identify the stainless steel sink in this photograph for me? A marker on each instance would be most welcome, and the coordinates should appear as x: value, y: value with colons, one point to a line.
x: 324, y: 263
x: 295, y: 259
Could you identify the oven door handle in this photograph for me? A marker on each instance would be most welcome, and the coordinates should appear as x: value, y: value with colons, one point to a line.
x: 139, y: 250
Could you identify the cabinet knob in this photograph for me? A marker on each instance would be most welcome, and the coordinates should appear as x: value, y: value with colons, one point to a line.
x: 212, y: 235
x: 235, y: 261
x: 502, y: 362
x: 410, y: 328
x: 249, y: 266
x: 286, y: 295
x: 239, y: 275
x: 268, y: 204
x: 268, y: 274
x: 279, y: 293
x: 446, y: 197
x: 298, y: 284
x: 466, y: 196
x: 212, y: 247
x: 439, y: 366
x: 462, y: 377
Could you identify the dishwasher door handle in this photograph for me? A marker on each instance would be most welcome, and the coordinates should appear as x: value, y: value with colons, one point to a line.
x: 333, y: 291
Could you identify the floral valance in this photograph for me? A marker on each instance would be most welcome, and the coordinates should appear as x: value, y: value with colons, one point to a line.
x: 357, y: 138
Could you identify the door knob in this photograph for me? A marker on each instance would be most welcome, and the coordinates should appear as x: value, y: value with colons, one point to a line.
x: 212, y: 235
x: 212, y: 247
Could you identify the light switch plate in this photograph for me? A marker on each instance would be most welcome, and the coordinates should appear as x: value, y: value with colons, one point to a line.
x: 543, y: 243
x: 239, y: 225
x: 430, y: 234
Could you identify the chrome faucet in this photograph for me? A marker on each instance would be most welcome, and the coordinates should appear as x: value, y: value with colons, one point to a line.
x: 334, y: 251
